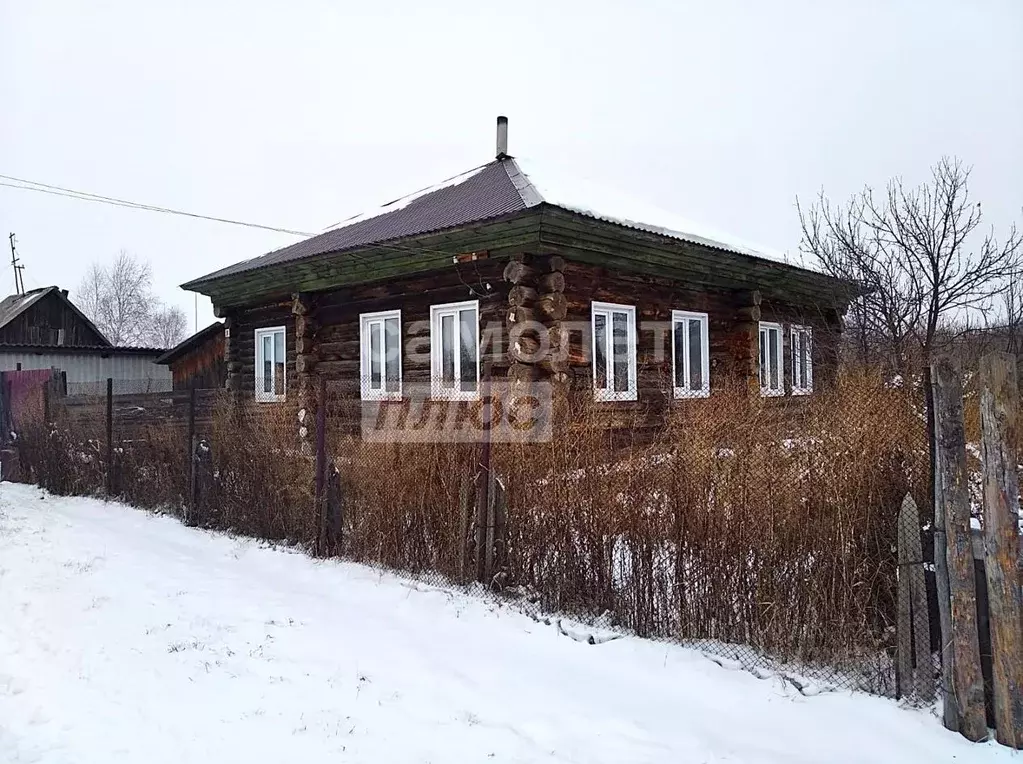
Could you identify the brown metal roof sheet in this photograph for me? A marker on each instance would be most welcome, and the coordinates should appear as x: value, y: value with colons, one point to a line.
x: 475, y: 196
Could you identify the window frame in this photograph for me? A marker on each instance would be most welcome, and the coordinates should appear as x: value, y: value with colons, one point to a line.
x: 766, y: 391
x: 682, y: 393
x: 365, y: 321
x: 608, y: 309
x: 437, y: 392
x: 794, y: 333
x: 261, y: 395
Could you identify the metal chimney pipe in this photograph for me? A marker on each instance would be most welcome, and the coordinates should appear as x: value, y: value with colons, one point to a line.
x: 502, y: 137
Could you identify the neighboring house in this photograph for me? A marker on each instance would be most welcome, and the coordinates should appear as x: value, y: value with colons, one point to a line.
x: 43, y: 329
x: 46, y: 317
x: 631, y: 302
x: 198, y: 361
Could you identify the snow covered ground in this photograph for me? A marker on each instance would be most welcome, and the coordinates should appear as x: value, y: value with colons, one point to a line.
x: 125, y: 637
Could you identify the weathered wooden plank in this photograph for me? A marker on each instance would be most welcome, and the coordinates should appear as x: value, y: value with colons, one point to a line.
x: 432, y: 252
x: 954, y: 504
x: 1000, y: 425
x: 637, y: 250
x: 950, y: 712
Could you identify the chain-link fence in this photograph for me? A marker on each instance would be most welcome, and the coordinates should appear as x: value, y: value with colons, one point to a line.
x: 759, y: 529
x: 762, y: 530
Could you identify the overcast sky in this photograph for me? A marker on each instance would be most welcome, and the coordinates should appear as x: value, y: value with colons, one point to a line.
x: 301, y: 113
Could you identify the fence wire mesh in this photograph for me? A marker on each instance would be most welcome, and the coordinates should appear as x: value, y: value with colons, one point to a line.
x: 761, y: 530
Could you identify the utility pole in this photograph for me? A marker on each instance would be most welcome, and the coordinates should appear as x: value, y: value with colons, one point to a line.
x: 19, y: 279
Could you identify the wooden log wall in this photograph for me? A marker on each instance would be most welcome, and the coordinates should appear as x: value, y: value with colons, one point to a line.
x: 536, y: 309
x: 326, y: 331
x: 733, y: 322
x: 240, y: 342
x: 548, y: 294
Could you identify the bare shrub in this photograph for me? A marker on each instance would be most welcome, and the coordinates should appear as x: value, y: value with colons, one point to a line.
x: 151, y: 467
x: 261, y: 482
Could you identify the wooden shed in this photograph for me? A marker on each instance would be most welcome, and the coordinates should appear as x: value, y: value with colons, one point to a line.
x: 198, y: 361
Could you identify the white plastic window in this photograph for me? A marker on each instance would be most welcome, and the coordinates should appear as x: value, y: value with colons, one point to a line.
x: 614, y: 352
x: 770, y: 359
x: 802, y: 360
x: 454, y: 350
x: 690, y: 350
x: 380, y: 359
x: 270, y: 364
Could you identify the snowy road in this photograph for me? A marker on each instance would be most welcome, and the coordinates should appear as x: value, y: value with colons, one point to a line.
x: 128, y: 638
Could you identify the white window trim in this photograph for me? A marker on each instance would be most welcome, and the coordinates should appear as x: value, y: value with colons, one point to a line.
x: 794, y: 333
x: 258, y: 337
x: 765, y: 390
x: 684, y: 391
x: 607, y: 309
x: 365, y: 319
x: 436, y: 362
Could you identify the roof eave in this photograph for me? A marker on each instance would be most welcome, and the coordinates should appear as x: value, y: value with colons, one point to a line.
x: 207, y: 285
x: 190, y: 342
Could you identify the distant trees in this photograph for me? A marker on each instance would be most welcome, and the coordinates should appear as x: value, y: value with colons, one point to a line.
x: 921, y: 261
x: 118, y: 297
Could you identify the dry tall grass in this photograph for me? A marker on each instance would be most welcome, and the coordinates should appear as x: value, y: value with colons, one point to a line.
x: 764, y: 522
x: 257, y: 480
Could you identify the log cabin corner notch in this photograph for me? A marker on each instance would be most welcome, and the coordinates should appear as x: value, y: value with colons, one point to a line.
x: 571, y: 290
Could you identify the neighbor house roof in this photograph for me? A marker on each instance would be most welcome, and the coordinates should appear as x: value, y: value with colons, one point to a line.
x: 102, y: 350
x: 491, y: 191
x: 191, y: 343
x: 14, y: 305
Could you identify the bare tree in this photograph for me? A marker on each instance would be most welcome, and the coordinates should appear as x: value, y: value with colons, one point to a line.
x: 119, y: 299
x: 919, y: 255
x: 884, y: 305
x: 168, y: 326
x: 1012, y: 305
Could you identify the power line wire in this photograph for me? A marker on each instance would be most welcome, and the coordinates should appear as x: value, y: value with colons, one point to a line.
x: 46, y: 188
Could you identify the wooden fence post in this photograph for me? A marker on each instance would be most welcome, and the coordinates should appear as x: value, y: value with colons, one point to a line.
x: 465, y: 505
x: 949, y: 712
x: 953, y: 502
x: 190, y: 455
x: 321, y: 463
x: 483, y: 483
x: 913, y: 630
x: 110, y: 437
x: 1000, y: 424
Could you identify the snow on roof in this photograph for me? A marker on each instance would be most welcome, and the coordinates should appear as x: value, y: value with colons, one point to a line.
x: 612, y: 205
x: 404, y: 201
x: 496, y: 189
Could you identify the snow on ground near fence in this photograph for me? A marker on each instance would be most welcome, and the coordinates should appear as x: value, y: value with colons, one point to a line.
x: 126, y: 637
